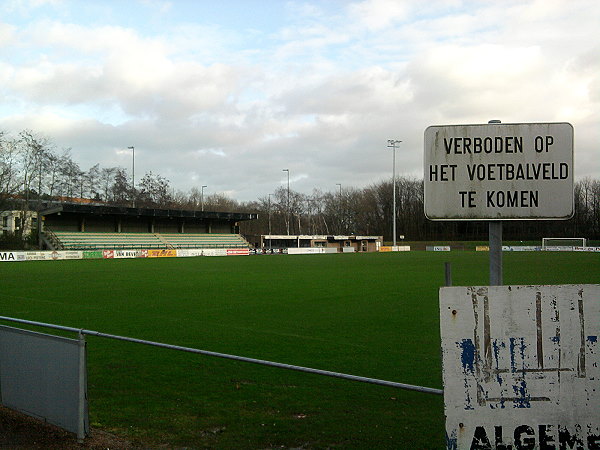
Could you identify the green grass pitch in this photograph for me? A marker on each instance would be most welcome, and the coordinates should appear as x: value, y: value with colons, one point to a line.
x: 374, y: 315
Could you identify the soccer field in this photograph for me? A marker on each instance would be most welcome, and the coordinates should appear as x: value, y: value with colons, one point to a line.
x: 373, y: 315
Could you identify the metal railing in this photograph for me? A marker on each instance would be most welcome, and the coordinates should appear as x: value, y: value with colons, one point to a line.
x: 328, y: 373
x: 53, y: 238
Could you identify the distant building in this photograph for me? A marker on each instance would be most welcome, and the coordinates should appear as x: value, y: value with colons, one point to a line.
x: 15, y: 221
x: 343, y: 243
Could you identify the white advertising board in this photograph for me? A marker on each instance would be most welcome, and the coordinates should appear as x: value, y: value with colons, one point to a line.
x: 521, y: 366
x: 12, y: 256
x: 438, y: 248
x: 401, y: 248
x: 499, y: 171
x: 311, y: 250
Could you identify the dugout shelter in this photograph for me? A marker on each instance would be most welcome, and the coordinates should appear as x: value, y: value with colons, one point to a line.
x: 343, y: 243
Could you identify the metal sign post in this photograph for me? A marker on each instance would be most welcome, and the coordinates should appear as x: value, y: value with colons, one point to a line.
x: 495, y: 234
x: 495, y: 246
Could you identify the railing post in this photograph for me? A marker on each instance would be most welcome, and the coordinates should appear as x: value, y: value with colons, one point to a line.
x: 82, y: 389
x: 448, y: 271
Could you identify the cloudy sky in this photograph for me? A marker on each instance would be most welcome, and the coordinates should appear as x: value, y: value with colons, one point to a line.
x: 229, y: 93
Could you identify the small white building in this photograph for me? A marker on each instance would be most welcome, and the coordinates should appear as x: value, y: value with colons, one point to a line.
x: 344, y: 243
x: 15, y: 221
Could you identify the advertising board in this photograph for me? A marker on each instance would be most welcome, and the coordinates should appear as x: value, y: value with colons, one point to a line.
x: 438, y: 248
x: 12, y: 256
x: 238, y: 252
x: 162, y: 253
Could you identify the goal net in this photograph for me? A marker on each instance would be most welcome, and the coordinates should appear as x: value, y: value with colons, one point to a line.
x: 563, y: 243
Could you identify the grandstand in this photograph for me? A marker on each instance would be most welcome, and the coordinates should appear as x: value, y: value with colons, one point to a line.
x: 66, y: 226
x: 68, y: 240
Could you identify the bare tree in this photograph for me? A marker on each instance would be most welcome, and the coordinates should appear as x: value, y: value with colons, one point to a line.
x: 154, y: 191
x: 121, y: 187
x: 8, y: 171
x: 105, y: 182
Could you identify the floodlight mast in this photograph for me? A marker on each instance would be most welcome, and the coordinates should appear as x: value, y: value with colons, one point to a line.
x: 202, y: 197
x: 340, y: 209
x: 288, y: 201
x: 392, y: 143
x: 270, y: 238
x: 132, y: 176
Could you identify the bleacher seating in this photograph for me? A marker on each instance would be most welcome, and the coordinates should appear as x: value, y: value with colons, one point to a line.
x: 179, y: 240
x: 69, y: 240
x: 77, y: 241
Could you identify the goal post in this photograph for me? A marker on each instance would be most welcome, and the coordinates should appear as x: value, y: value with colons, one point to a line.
x: 563, y: 242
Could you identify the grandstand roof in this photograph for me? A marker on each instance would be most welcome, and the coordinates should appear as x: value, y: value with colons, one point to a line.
x: 56, y: 207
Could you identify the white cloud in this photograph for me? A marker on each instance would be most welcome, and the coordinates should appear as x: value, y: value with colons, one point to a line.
x: 378, y: 14
x: 207, y: 103
x: 7, y: 34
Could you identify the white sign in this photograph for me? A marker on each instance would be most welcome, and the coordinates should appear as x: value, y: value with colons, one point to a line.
x: 499, y: 171
x: 12, y: 256
x: 438, y: 248
x: 521, y: 366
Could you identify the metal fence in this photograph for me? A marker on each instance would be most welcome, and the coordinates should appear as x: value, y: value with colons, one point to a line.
x: 263, y: 362
x: 328, y: 373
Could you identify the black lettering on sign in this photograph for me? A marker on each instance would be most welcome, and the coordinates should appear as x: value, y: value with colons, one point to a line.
x: 546, y: 437
x: 480, y: 440
x: 568, y: 440
x: 543, y: 143
x: 500, y: 445
x: 522, y: 441
x: 525, y: 438
x: 593, y: 442
x: 512, y: 199
x: 467, y: 199
x: 448, y: 145
x: 507, y: 171
x: 442, y: 172
x: 469, y: 146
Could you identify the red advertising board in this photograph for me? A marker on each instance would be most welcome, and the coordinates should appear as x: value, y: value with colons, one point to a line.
x: 237, y: 251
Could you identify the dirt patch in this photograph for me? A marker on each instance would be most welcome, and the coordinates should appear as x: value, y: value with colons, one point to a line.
x: 19, y: 431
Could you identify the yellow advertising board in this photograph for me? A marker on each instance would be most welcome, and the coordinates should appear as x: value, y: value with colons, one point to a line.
x: 162, y: 253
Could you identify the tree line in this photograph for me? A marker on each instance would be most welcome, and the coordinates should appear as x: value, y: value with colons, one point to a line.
x: 32, y: 169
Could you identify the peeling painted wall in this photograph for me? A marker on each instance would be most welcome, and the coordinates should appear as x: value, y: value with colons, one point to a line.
x: 521, y: 366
